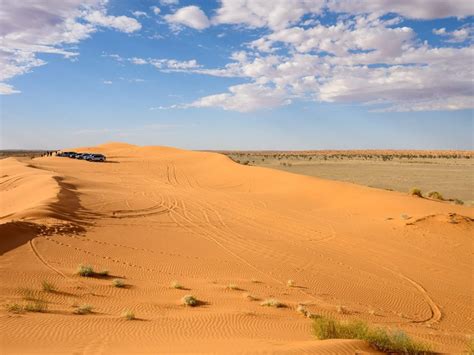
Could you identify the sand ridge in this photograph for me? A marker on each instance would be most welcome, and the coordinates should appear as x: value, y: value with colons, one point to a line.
x: 152, y: 215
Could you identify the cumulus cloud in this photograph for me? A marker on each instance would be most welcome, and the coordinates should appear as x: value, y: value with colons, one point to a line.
x: 245, y: 98
x: 457, y: 36
x: 417, y: 9
x: 156, y: 10
x: 36, y: 26
x: 275, y: 14
x: 190, y: 16
x: 6, y: 89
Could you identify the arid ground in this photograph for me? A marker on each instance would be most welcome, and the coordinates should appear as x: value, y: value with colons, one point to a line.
x: 232, y: 236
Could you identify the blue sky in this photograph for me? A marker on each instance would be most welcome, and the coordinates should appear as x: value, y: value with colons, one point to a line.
x: 237, y: 74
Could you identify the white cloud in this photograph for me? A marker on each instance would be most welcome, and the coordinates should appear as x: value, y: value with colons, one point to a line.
x: 107, y: 82
x: 165, y: 65
x: 139, y: 14
x: 121, y: 23
x: 418, y: 9
x: 456, y: 36
x: 6, y: 89
x: 156, y: 10
x: 190, y: 16
x: 36, y: 26
x: 169, y: 2
x: 138, y: 61
x: 276, y: 14
x: 245, y: 98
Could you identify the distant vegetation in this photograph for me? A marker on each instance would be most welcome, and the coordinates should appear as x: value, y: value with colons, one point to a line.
x: 416, y: 192
x: 387, y: 341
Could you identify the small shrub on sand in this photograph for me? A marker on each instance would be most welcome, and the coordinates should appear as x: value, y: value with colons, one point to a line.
x: 103, y: 273
x: 176, y: 285
x: 14, y: 308
x: 85, y: 271
x: 342, y: 310
x: 271, y: 302
x: 290, y: 283
x: 189, y: 300
x: 83, y: 309
x: 118, y: 283
x: 470, y: 346
x: 416, y: 192
x: 48, y: 286
x: 392, y: 342
x: 249, y: 297
x: 458, y: 201
x: 435, y: 195
x: 27, y: 294
x: 233, y: 287
x: 129, y: 315
x: 36, y: 306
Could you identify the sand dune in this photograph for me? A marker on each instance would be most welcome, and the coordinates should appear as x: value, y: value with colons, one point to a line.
x: 151, y: 215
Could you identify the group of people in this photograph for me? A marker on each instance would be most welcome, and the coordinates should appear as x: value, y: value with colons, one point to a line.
x: 49, y: 153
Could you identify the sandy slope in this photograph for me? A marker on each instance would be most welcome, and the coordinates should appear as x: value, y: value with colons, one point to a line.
x: 153, y: 215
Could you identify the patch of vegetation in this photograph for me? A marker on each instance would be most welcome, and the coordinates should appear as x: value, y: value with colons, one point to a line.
x: 118, y: 283
x: 85, y: 271
x: 249, y: 297
x: 190, y: 300
x: 83, y: 309
x: 342, y: 310
x: 48, y: 286
x: 176, y: 285
x: 458, y: 201
x: 416, y: 192
x: 102, y: 273
x: 232, y: 287
x: 470, y: 346
x: 387, y: 341
x: 14, y: 308
x: 36, y: 306
x: 271, y: 302
x: 129, y: 315
x: 27, y: 294
x: 435, y: 195
x: 290, y: 283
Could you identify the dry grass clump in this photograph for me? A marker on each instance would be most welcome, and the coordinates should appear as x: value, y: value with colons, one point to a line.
x: 36, y: 306
x: 249, y: 297
x: 27, y: 294
x: 189, y: 300
x: 176, y: 285
x: 83, y: 309
x: 416, y: 192
x: 232, y: 287
x: 387, y: 341
x: 271, y: 302
x: 48, y: 286
x: 14, y: 308
x: 458, y: 201
x: 118, y: 283
x: 129, y: 315
x: 290, y: 283
x: 435, y: 195
x: 85, y: 271
x: 342, y: 310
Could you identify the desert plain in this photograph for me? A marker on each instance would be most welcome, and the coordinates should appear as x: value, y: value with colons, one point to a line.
x: 167, y: 223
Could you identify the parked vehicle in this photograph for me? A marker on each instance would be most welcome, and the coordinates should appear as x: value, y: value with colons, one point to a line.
x: 97, y: 157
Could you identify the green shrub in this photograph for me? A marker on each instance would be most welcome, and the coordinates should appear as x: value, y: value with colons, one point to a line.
x: 394, y: 341
x: 416, y: 192
x: 435, y: 195
x: 83, y: 309
x: 189, y: 300
x: 85, y: 270
x: 103, y: 273
x: 118, y: 283
x: 27, y: 294
x: 48, y: 286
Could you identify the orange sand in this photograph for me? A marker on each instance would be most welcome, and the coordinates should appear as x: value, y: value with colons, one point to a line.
x: 152, y: 215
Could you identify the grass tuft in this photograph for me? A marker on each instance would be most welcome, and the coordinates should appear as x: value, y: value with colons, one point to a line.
x: 83, y: 309
x: 435, y: 195
x: 383, y: 340
x: 271, y: 302
x: 36, y: 306
x: 85, y: 271
x: 27, y: 294
x: 342, y: 310
x: 189, y: 300
x: 129, y: 315
x: 249, y: 297
x: 176, y: 285
x: 416, y: 192
x: 290, y: 283
x: 118, y: 283
x: 14, y: 308
x: 232, y: 287
x: 48, y: 286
